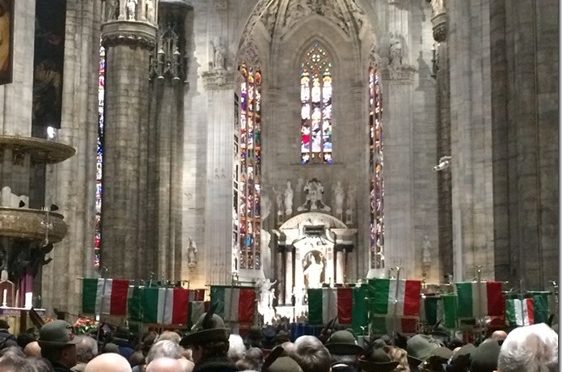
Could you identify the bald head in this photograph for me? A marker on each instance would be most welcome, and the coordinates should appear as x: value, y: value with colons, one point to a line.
x: 109, y: 362
x: 164, y: 365
x: 499, y: 336
x: 32, y: 349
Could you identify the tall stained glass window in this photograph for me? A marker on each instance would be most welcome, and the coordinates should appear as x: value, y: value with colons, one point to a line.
x: 316, y: 106
x: 247, y: 176
x: 99, y: 158
x: 376, y: 166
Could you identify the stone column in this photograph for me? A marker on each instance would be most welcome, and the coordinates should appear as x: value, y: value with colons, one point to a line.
x: 471, y: 139
x: 288, y: 274
x: 339, y: 267
x: 218, y: 202
x: 125, y: 225
x: 165, y: 141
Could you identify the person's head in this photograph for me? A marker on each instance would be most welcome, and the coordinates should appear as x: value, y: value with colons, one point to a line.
x: 164, y: 349
x: 38, y: 364
x: 208, y: 338
x: 170, y: 336
x: 399, y: 355
x: 57, y: 343
x: 311, y: 354
x: 485, y: 357
x: 136, y: 358
x: 108, y: 362
x: 86, y: 348
x: 4, y: 324
x: 25, y: 338
x: 32, y: 349
x: 164, y: 365
x: 499, y: 335
x: 532, y: 348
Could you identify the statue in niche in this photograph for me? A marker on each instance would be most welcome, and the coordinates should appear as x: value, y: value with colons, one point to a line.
x: 218, y: 54
x: 350, y: 205
x: 288, y: 197
x: 437, y: 7
x: 278, y: 201
x: 111, y: 11
x: 314, y: 193
x: 314, y: 269
x: 191, y: 252
x: 338, y: 199
x: 131, y: 10
x: 149, y: 11
x: 395, y: 51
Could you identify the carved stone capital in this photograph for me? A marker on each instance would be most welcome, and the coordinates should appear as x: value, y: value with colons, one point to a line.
x: 130, y: 33
x: 440, y: 28
x: 218, y: 79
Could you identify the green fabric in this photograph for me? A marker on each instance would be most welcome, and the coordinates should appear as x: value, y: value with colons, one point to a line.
x: 510, y: 312
x: 379, y: 325
x: 150, y: 305
x: 359, y: 310
x: 315, y: 306
x: 89, y: 292
x: 379, y: 291
x: 217, y: 300
x: 541, y: 313
x: 449, y: 310
x: 465, y: 299
x: 430, y: 306
x: 134, y: 304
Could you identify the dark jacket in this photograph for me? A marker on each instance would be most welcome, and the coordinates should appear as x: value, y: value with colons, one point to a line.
x: 215, y: 365
x: 59, y: 367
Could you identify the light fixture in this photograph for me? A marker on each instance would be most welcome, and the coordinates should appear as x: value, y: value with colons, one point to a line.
x: 444, y: 163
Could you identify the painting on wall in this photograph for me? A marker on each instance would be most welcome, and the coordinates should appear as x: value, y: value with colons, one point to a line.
x: 6, y: 40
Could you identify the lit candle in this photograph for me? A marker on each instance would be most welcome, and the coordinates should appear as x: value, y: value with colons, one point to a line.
x: 4, y: 297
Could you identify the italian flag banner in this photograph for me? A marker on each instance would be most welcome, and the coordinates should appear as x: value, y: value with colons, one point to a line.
x: 359, y: 310
x: 519, y: 312
x: 196, y: 309
x: 104, y: 296
x: 325, y: 304
x: 440, y: 308
x: 479, y: 299
x: 234, y: 304
x: 540, y: 306
x: 165, y: 305
x: 135, y: 303
x: 395, y: 298
x: 196, y: 295
x: 386, y: 324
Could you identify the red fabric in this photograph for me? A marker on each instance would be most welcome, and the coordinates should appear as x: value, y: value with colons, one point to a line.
x: 496, y: 302
x: 412, y: 298
x: 345, y: 304
x: 119, y: 291
x: 409, y: 325
x: 246, y: 305
x: 530, y: 310
x: 196, y: 294
x: 180, y: 310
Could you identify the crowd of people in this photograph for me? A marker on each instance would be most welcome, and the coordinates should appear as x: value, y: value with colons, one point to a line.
x: 209, y: 347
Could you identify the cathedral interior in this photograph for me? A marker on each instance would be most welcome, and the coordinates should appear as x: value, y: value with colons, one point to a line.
x: 307, y: 142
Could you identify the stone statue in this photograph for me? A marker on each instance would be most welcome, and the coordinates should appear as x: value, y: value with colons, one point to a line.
x: 338, y: 198
x: 288, y: 197
x: 437, y: 7
x: 314, y: 192
x: 219, y: 60
x: 111, y: 10
x: 395, y: 51
x: 266, y: 293
x: 191, y: 252
x: 278, y: 201
x: 131, y: 9
x: 149, y: 6
x: 313, y: 272
x: 350, y: 205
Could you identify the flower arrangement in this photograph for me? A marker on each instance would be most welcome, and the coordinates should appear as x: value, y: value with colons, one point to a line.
x: 84, y: 325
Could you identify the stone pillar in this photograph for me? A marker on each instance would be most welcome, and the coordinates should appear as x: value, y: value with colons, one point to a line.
x: 340, y: 262
x: 399, y: 170
x: 471, y: 139
x: 288, y: 274
x: 218, y: 203
x: 165, y: 141
x: 125, y: 225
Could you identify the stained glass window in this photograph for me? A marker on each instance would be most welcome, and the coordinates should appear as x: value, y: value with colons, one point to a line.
x: 376, y: 166
x: 99, y: 158
x: 247, y: 172
x: 316, y: 106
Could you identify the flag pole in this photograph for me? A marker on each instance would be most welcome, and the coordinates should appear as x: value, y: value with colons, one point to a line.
x: 479, y: 286
x: 395, y: 320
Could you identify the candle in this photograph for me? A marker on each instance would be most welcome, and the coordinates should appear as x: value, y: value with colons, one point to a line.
x: 4, y: 297
x: 28, y: 300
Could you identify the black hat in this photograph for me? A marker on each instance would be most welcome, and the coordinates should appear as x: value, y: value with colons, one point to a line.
x: 343, y: 343
x: 485, y: 357
x: 377, y: 360
x: 461, y: 357
x: 209, y: 328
